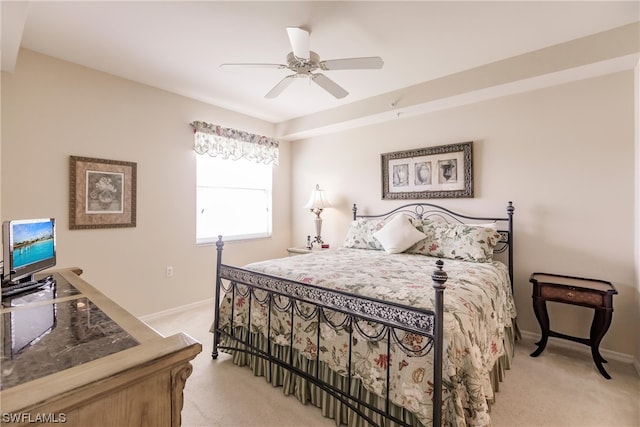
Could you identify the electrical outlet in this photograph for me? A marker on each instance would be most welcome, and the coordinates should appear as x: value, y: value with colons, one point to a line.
x: 169, y: 271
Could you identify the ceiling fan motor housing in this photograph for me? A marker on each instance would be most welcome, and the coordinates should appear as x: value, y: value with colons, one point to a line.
x: 303, y: 66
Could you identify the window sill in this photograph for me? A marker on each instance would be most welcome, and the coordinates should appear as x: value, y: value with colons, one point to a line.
x: 208, y: 241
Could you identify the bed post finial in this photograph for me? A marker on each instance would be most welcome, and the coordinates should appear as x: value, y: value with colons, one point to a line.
x: 439, y: 277
x: 355, y: 211
x: 216, y: 313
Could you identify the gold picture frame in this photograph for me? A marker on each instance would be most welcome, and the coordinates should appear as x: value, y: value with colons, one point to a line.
x: 444, y: 171
x: 102, y: 193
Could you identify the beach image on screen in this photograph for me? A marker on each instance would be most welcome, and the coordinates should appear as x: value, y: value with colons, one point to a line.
x: 32, y: 242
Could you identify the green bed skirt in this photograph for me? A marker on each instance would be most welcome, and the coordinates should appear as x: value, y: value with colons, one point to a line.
x: 308, y: 393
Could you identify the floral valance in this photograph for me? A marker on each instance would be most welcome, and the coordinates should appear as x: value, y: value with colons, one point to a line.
x: 234, y: 144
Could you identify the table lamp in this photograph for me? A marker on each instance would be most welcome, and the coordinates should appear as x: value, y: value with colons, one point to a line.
x: 317, y: 202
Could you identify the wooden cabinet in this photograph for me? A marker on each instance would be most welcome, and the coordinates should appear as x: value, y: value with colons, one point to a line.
x: 88, y: 362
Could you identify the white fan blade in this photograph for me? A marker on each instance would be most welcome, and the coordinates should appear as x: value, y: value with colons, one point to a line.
x: 366, y: 63
x: 244, y: 65
x: 299, y: 40
x: 329, y: 85
x: 282, y: 85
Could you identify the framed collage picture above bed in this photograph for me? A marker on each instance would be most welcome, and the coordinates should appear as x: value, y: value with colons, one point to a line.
x: 444, y: 171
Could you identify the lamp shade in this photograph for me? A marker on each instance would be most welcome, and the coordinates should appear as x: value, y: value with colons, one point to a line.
x: 318, y: 200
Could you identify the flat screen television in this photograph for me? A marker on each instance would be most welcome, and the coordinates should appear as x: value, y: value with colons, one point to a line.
x: 29, y: 247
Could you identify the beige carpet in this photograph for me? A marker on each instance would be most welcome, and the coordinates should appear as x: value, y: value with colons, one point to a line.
x: 560, y: 388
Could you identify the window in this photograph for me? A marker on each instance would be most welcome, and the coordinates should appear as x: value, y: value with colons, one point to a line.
x: 233, y: 183
x: 233, y: 199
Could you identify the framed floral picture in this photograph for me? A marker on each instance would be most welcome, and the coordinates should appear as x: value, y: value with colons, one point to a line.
x: 102, y: 193
x: 444, y: 171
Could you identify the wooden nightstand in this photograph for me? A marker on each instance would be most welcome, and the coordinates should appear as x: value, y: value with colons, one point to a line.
x: 591, y: 293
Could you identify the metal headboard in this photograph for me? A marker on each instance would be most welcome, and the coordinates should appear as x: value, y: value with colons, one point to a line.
x: 431, y: 211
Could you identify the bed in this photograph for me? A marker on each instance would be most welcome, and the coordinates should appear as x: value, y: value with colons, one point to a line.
x: 411, y: 322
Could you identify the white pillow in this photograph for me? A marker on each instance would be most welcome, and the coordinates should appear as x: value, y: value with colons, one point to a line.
x: 398, y: 235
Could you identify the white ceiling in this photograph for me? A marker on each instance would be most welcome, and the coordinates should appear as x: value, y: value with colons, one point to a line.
x: 178, y: 45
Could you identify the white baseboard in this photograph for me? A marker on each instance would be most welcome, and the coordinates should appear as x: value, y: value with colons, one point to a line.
x: 608, y: 354
x: 177, y: 310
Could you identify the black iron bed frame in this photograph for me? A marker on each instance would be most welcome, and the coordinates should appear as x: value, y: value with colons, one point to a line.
x: 393, y: 317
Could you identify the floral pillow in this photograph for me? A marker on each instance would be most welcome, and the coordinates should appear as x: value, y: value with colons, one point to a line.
x: 456, y: 241
x: 360, y: 234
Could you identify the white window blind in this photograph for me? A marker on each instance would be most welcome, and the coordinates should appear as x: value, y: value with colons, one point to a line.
x: 233, y: 199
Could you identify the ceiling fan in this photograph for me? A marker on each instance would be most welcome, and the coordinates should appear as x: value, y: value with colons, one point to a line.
x: 304, y: 62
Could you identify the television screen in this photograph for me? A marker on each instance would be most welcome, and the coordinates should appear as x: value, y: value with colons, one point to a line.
x: 29, y: 247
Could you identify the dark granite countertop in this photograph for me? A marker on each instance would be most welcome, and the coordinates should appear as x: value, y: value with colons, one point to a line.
x: 42, y: 335
x: 60, y: 288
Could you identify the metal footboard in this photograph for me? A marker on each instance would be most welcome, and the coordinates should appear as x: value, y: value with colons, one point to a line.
x: 277, y: 296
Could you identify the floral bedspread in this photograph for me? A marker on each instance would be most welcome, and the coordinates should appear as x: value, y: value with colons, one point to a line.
x: 478, y: 308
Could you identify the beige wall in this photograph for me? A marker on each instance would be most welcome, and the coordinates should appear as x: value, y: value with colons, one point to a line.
x: 53, y: 109
x: 637, y: 211
x: 564, y: 155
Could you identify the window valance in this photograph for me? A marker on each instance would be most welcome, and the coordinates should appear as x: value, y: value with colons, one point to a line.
x: 234, y: 144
